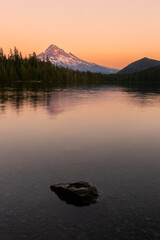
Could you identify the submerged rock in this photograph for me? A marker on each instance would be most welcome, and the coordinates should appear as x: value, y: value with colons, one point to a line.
x: 79, y: 193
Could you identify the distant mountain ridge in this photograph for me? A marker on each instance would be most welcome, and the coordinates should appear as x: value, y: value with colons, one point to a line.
x: 59, y: 57
x: 140, y: 65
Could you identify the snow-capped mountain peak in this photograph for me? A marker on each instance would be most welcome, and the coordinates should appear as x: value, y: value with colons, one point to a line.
x: 59, y: 57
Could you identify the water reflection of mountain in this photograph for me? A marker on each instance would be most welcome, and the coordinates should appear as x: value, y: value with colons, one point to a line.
x: 57, y: 100
x: 61, y: 101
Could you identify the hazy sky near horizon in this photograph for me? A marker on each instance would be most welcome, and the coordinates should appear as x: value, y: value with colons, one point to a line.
x: 112, y: 33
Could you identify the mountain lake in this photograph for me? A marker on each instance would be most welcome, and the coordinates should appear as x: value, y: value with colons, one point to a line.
x: 107, y: 135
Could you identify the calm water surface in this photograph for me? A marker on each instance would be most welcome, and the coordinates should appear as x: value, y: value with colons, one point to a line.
x: 108, y: 136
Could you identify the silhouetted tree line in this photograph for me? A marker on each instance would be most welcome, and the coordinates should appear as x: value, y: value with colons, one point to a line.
x: 16, y: 68
x: 149, y: 75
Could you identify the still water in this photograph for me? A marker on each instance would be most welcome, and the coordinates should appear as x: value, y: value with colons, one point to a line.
x: 106, y: 135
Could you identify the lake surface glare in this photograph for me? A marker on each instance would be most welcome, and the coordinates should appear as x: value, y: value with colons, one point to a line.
x: 108, y: 136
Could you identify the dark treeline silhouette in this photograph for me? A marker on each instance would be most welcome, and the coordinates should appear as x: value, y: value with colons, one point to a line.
x: 16, y: 68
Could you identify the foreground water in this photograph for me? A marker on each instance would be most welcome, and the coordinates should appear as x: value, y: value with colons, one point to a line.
x: 106, y: 135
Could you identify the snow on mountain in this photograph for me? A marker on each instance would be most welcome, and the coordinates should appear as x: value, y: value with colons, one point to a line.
x: 60, y: 58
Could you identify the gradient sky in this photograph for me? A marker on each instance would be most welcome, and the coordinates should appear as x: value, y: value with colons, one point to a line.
x: 112, y: 33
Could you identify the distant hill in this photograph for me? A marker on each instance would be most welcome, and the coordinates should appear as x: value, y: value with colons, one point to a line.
x: 140, y: 65
x: 59, y: 57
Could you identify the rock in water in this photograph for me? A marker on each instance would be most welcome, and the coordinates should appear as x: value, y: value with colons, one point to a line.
x: 79, y: 193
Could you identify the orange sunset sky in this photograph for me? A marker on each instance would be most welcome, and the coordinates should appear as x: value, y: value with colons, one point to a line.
x: 111, y: 33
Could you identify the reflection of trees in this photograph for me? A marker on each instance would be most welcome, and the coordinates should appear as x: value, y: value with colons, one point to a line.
x: 18, y: 99
x: 55, y: 98
x: 55, y: 101
x: 143, y: 95
x: 143, y: 100
x: 58, y: 98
